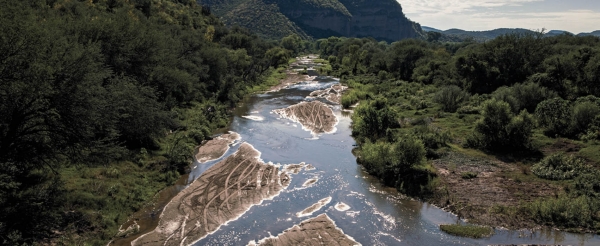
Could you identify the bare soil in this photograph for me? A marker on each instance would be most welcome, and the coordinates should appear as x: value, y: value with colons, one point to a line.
x: 320, y: 230
x: 314, y: 116
x: 494, y: 196
x: 222, y: 193
x: 215, y: 148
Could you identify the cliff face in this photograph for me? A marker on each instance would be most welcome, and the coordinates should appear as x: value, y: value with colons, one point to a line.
x: 380, y: 19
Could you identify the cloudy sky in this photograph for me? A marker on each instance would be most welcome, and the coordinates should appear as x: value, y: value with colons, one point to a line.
x: 477, y: 15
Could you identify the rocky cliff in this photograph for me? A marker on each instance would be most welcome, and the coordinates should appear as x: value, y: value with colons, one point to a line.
x: 380, y: 19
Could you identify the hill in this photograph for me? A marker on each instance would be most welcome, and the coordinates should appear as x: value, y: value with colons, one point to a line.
x: 458, y: 35
x: 382, y: 19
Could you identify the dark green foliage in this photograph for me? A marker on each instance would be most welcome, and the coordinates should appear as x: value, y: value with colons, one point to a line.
x: 554, y: 115
x: 500, y: 129
x: 450, y: 98
x: 371, y: 120
x: 584, y: 114
x: 87, y: 84
x: 559, y: 167
x: 391, y: 161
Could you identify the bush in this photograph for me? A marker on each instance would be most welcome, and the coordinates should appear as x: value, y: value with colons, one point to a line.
x: 499, y: 129
x: 559, y: 167
x: 583, y: 116
x: 388, y: 161
x: 553, y: 114
x: 450, y: 97
x: 565, y: 211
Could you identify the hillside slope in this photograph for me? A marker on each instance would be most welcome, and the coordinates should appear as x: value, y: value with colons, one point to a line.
x: 381, y: 19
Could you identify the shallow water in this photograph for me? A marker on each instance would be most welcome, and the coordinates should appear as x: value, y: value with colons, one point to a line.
x: 376, y: 215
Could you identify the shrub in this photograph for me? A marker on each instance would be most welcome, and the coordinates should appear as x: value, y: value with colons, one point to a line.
x: 450, y: 97
x: 583, y: 116
x: 500, y: 129
x: 388, y: 161
x: 553, y: 114
x: 559, y: 167
x: 564, y: 211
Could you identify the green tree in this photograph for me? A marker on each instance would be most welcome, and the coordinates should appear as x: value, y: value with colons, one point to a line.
x: 554, y: 115
x: 500, y: 130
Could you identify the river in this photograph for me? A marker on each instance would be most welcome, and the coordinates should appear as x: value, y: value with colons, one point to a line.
x: 373, y: 215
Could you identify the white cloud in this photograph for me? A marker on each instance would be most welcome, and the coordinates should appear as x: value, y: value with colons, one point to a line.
x: 490, y: 14
x: 455, y: 6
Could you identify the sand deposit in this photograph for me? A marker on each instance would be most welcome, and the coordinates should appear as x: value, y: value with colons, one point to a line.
x: 320, y: 230
x: 215, y: 148
x: 314, y: 116
x: 222, y: 193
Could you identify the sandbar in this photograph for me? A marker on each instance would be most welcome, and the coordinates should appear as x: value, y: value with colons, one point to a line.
x: 315, y: 207
x: 221, y: 194
x: 215, y: 148
x: 314, y: 116
x: 320, y: 230
x: 332, y: 94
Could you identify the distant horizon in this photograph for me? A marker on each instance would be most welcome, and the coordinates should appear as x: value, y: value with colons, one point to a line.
x: 575, y: 16
x: 545, y: 31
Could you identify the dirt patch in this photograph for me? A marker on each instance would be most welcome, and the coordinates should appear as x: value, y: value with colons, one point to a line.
x: 320, y: 230
x: 485, y: 198
x: 314, y: 116
x: 215, y: 148
x: 562, y: 145
x: 333, y: 94
x: 291, y: 78
x: 222, y: 193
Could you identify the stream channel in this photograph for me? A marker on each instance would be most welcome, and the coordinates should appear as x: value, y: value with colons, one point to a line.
x: 373, y: 215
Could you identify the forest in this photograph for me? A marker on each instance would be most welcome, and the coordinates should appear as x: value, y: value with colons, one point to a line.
x: 528, y: 100
x: 101, y: 104
x: 103, y: 101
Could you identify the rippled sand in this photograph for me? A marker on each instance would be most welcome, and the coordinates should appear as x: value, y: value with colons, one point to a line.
x: 215, y: 148
x: 320, y: 230
x: 333, y: 94
x: 314, y: 116
x: 222, y: 193
x: 315, y: 207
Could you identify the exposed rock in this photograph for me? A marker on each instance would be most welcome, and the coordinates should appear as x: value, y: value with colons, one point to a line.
x: 222, y: 193
x: 381, y: 19
x: 215, y: 148
x: 315, y: 116
x: 320, y: 230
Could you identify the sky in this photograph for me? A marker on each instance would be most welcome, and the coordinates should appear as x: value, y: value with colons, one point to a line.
x: 575, y: 16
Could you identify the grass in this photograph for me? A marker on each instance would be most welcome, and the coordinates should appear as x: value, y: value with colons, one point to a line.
x: 273, y: 79
x: 472, y: 231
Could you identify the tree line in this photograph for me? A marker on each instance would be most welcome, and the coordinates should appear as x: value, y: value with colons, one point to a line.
x: 91, y: 84
x: 502, y: 91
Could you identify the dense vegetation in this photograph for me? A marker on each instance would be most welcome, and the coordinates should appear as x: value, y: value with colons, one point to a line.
x: 514, y: 96
x: 102, y: 102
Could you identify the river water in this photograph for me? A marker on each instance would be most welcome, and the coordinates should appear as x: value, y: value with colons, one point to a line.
x: 376, y: 216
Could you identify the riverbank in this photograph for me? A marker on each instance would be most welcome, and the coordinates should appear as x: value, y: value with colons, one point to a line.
x: 492, y: 188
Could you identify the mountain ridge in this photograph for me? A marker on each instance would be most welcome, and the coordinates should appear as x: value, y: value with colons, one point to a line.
x: 456, y: 34
x: 381, y: 19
